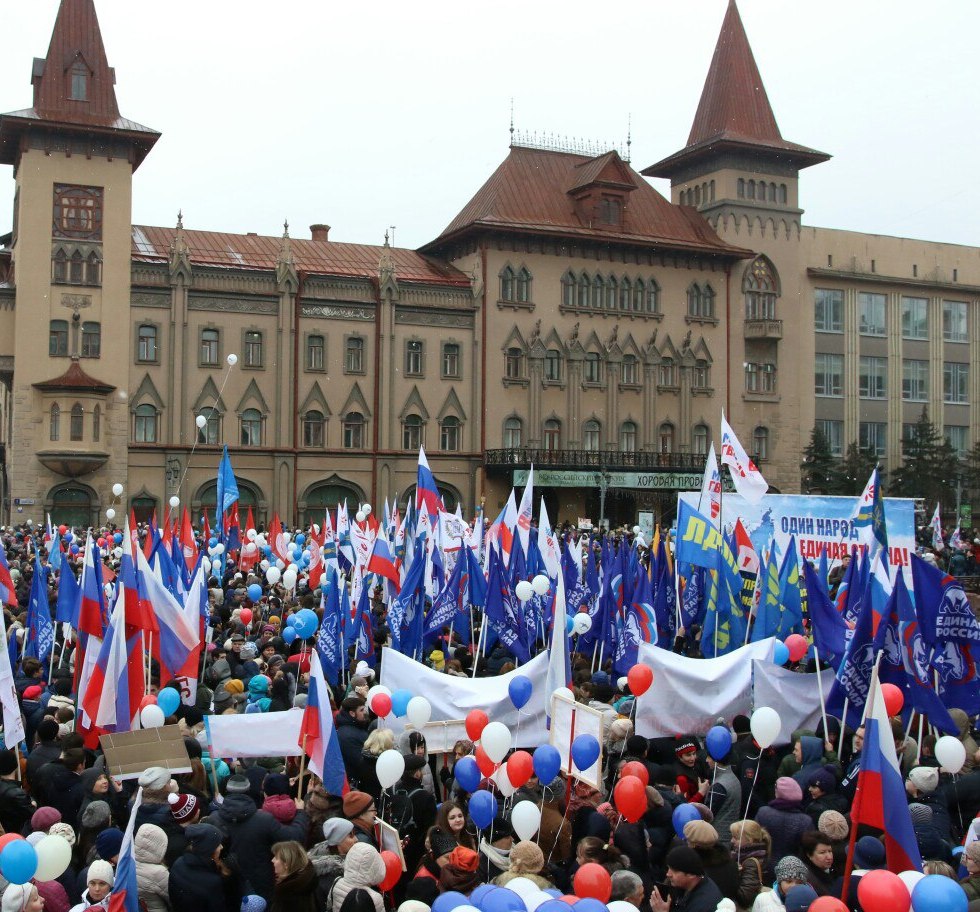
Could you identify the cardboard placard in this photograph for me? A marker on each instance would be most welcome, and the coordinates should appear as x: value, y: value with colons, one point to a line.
x: 389, y: 838
x: 128, y: 754
x: 568, y: 721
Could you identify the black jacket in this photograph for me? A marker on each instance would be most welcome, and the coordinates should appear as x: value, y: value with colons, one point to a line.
x: 703, y: 898
x: 64, y: 791
x: 251, y: 833
x: 16, y: 807
x: 45, y: 752
x: 351, y: 734
x: 196, y: 884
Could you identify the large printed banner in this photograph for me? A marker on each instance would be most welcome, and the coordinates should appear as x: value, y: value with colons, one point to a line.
x: 796, y: 697
x: 274, y: 734
x: 452, y: 698
x: 816, y: 521
x: 688, y: 695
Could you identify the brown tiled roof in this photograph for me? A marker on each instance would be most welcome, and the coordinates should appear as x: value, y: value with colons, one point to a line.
x: 734, y: 110
x: 75, y: 380
x: 253, y: 251
x: 529, y: 192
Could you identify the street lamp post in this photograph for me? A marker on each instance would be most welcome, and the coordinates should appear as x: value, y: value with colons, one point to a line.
x: 602, y: 481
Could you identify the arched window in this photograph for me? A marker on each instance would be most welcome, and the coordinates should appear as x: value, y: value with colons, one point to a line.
x: 631, y: 373
x: 627, y: 437
x: 666, y: 437
x: 450, y: 359
x: 760, y: 285
x: 750, y: 190
x: 639, y: 295
x: 513, y: 433
x: 251, y: 427
x: 514, y: 363
x: 593, y: 367
x: 625, y: 294
x: 76, y: 426
x: 353, y: 431
x: 611, y: 290
x: 145, y: 424
x: 313, y: 425
x: 316, y: 347
x: 146, y: 343
x: 697, y: 196
x: 700, y: 438
x: 668, y: 374
x: 694, y: 300
x: 210, y: 434
x: 740, y: 191
x: 93, y: 269
x: 598, y: 292
x: 584, y: 290
x: 760, y: 442
x: 590, y: 435
x: 449, y: 434
x: 552, y: 434
x: 59, y: 272
x: 507, y: 284
x: 54, y: 424
x: 96, y: 423
x: 524, y: 285
x: 701, y: 301
x: 568, y: 289
x: 76, y: 269
x: 653, y: 297
x: 782, y: 194
x: 412, y: 432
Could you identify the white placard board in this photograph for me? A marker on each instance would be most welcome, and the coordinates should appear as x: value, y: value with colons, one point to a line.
x: 274, y: 734
x: 568, y: 721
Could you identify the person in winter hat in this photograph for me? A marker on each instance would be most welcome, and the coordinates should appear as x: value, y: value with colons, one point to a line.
x: 195, y: 880
x: 21, y: 898
x: 527, y: 861
x: 152, y: 876
x: 363, y: 869
x: 258, y: 694
x: 784, y: 818
x: 99, y: 881
x: 277, y: 799
x: 790, y: 872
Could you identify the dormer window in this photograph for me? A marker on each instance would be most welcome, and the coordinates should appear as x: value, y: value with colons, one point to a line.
x: 79, y: 81
x: 610, y: 211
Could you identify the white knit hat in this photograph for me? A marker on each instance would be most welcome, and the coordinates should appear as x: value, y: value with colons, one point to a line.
x: 16, y: 897
x: 101, y: 870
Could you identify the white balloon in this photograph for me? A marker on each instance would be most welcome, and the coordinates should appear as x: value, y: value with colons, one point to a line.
x: 273, y: 575
x: 289, y: 579
x: 619, y: 905
x: 53, y: 857
x: 765, y: 724
x: 260, y: 539
x: 366, y: 509
x: 206, y: 564
x: 117, y: 489
x: 525, y: 819
x: 537, y: 899
x: 110, y: 513
x: 264, y: 564
x: 200, y: 421
x: 950, y: 753
x: 232, y: 359
x: 637, y: 530
x: 249, y: 548
x: 360, y: 516
x: 581, y: 623
x: 174, y: 502
x: 389, y: 768
x: 287, y: 537
x: 541, y: 584
x: 374, y: 691
x: 280, y: 564
x: 523, y: 590
x: 419, y: 711
x: 622, y: 682
x: 151, y: 716
x: 250, y: 534
x: 523, y: 887
x: 563, y: 693
x: 117, y: 553
x: 219, y: 549
x: 910, y: 879
x: 503, y: 784
x: 496, y: 739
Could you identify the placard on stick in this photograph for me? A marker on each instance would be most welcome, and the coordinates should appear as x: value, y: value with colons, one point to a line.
x: 568, y: 721
x: 128, y: 754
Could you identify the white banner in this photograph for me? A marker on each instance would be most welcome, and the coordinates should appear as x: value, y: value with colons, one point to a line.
x: 794, y: 696
x: 689, y: 695
x: 274, y: 734
x: 452, y: 697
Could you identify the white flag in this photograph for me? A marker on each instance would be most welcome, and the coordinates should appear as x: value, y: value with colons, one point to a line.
x: 746, y: 476
x: 526, y: 511
x: 13, y: 722
x: 937, y: 531
x: 711, y: 487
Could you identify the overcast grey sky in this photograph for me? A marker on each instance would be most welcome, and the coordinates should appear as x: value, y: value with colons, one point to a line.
x: 364, y: 115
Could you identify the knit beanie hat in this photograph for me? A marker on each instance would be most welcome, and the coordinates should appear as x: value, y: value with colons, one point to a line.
x: 441, y: 843
x: 788, y: 789
x: 95, y: 815
x: 833, y: 824
x: 202, y: 839
x: 355, y: 803
x: 63, y: 830
x: 253, y: 903
x: 337, y: 829
x: 155, y: 777
x: 108, y: 843
x: 700, y: 834
x: 101, y: 870
x: 526, y: 858
x: 973, y: 852
x: 467, y: 860
x: 869, y: 853
x: 234, y: 686
x: 823, y: 780
x: 798, y: 899
x: 238, y: 784
x: 44, y: 818
x: 925, y: 779
x: 181, y: 805
x: 791, y: 868
x: 276, y: 784
x: 921, y: 814
x: 685, y: 860
x: 16, y: 897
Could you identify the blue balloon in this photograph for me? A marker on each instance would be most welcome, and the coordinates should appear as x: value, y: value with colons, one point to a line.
x: 325, y: 583
x: 254, y: 592
x: 520, y: 690
x: 68, y: 537
x: 117, y: 538
x: 590, y: 904
x: 18, y: 861
x: 585, y: 751
x: 306, y: 622
x: 467, y: 774
x: 553, y: 905
x: 74, y: 549
x: 399, y: 701
x: 476, y: 897
x: 267, y: 550
x: 448, y: 901
x: 501, y: 900
x: 483, y: 808
x: 212, y: 541
x: 934, y: 891
x: 780, y: 653
x: 683, y: 813
x: 718, y: 742
x: 300, y: 539
x: 292, y: 620
x: 168, y: 700
x: 569, y: 624
x: 547, y: 763
x: 289, y: 635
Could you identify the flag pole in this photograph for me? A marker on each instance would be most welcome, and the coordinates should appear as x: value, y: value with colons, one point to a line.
x: 823, y: 705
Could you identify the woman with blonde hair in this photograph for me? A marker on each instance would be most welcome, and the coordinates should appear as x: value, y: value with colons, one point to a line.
x: 295, y: 879
x: 379, y: 741
x: 752, y: 848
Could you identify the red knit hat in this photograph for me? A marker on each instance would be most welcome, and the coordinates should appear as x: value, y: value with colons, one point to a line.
x: 181, y: 806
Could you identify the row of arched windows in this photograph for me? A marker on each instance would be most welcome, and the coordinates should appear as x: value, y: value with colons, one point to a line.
x: 764, y: 191
x: 609, y: 293
x: 695, y: 196
x: 595, y: 369
x: 76, y: 269
x: 515, y: 285
x: 76, y: 423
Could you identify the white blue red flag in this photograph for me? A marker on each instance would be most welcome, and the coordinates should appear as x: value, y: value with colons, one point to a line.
x: 711, y: 487
x: 317, y: 735
x: 746, y: 476
x: 936, y: 524
x: 870, y: 510
x: 426, y: 492
x: 125, y: 888
x: 525, y: 511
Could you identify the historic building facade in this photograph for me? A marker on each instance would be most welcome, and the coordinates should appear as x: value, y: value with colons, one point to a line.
x: 569, y: 316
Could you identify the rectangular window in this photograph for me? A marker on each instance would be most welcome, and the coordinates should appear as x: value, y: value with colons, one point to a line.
x: 908, y: 432
x: 915, y: 380
x: 253, y: 348
x: 915, y: 318
x: 959, y: 438
x: 552, y: 365
x: 58, y: 338
x: 209, y: 346
x: 872, y: 377
x: 871, y: 313
x: 828, y: 374
x: 146, y: 343
x: 91, y: 339
x: 413, y: 357
x: 354, y: 355
x: 955, y: 381
x: 829, y: 310
x: 954, y: 321
x: 514, y: 365
x: 833, y: 430
x: 450, y: 359
x: 315, y: 353
x: 871, y: 437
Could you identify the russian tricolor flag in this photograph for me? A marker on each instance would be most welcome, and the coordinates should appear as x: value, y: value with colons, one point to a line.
x: 125, y: 889
x: 382, y: 561
x: 317, y: 736
x: 8, y: 592
x: 179, y: 635
x: 426, y: 491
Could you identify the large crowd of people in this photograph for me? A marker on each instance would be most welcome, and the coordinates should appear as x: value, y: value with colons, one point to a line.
x: 766, y: 830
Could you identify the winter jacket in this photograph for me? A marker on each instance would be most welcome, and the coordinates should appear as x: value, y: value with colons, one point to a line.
x: 16, y: 807
x: 64, y: 791
x: 720, y: 867
x: 828, y: 802
x: 149, y: 849
x: 296, y: 893
x: 196, y: 884
x: 786, y: 823
x: 88, y: 904
x: 812, y: 751
x: 703, y: 898
x: 251, y: 833
x: 363, y: 869
x: 768, y: 901
x: 351, y: 735
x: 725, y: 801
x: 282, y: 807
x: 45, y: 752
x: 54, y: 894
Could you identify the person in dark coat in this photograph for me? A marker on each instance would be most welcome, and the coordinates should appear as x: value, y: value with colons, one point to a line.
x: 784, y: 818
x: 46, y: 749
x: 195, y: 880
x: 64, y: 789
x: 251, y: 834
x: 718, y: 863
x: 690, y: 890
x: 352, y: 722
x: 16, y: 806
x: 822, y: 787
x: 296, y: 880
x: 423, y: 808
x: 808, y: 753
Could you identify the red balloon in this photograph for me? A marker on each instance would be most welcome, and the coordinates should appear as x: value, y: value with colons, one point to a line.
x: 393, y: 870
x: 62, y: 529
x: 520, y: 766
x: 8, y: 838
x: 797, y: 646
x: 827, y: 904
x: 476, y: 721
x: 630, y: 796
x: 592, y: 881
x: 148, y: 700
x: 893, y: 697
x: 634, y: 768
x: 487, y: 766
x: 882, y: 891
x: 381, y: 705
x: 246, y: 615
x: 639, y: 677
